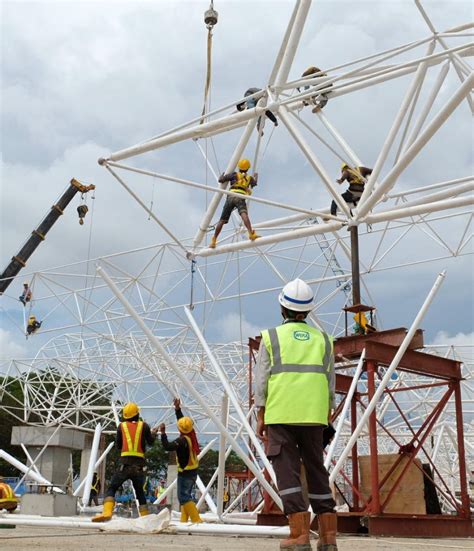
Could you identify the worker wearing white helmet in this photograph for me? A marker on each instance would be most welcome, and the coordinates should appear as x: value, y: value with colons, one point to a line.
x: 295, y: 385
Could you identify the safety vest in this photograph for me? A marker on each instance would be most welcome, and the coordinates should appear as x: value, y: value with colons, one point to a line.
x: 95, y: 485
x: 193, y: 461
x: 242, y: 184
x: 301, y: 359
x: 356, y: 180
x: 132, y: 439
x: 6, y: 495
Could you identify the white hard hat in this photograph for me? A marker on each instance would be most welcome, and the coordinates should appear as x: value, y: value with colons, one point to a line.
x: 297, y: 295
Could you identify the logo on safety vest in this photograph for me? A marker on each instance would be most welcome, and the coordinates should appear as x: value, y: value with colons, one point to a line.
x: 301, y: 335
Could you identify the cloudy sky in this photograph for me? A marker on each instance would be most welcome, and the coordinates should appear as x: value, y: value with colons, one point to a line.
x: 82, y: 79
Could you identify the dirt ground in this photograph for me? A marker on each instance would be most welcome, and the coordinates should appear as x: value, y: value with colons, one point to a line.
x: 27, y: 538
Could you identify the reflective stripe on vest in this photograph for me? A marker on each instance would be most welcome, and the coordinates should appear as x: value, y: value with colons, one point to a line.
x: 242, y: 184
x: 193, y: 461
x: 132, y: 431
x: 301, y: 363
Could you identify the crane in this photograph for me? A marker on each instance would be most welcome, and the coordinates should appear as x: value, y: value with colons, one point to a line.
x: 39, y: 234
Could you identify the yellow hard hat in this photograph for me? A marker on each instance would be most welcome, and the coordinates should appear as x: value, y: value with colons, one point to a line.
x: 32, y: 318
x: 344, y: 165
x: 130, y: 410
x: 185, y: 425
x: 244, y: 164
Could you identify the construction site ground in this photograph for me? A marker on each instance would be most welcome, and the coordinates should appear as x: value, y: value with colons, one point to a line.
x: 59, y: 539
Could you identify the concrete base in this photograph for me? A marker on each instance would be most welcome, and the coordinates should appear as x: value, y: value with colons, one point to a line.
x: 49, y: 505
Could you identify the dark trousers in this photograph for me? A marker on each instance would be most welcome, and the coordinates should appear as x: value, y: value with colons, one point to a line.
x: 135, y: 474
x: 93, y: 498
x: 348, y: 198
x: 289, y: 446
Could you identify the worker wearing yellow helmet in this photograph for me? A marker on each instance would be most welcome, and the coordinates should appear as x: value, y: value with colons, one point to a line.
x: 8, y: 500
x: 187, y: 449
x: 356, y: 177
x: 133, y: 436
x: 242, y: 184
x: 33, y: 325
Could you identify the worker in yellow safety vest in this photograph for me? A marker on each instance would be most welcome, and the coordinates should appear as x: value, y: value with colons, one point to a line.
x: 356, y: 177
x: 295, y: 389
x: 133, y: 436
x: 241, y: 183
x: 8, y: 498
x: 187, y: 449
x: 33, y: 325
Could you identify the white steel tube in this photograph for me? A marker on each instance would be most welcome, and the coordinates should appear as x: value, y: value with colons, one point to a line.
x: 98, y: 463
x: 416, y: 147
x: 28, y: 456
x: 207, y: 497
x: 282, y: 221
x: 214, y: 203
x: 187, y: 384
x: 313, y: 160
x: 428, y: 105
x: 27, y: 470
x: 419, y: 209
x: 92, y: 461
x: 270, y: 239
x: 222, y: 456
x: 449, y: 193
x: 229, y: 390
x: 386, y: 378
x: 219, y: 191
x: 293, y: 41
x: 168, y: 490
x: 281, y: 51
x: 430, y: 187
x: 351, y: 155
x: 412, y: 90
x: 347, y: 404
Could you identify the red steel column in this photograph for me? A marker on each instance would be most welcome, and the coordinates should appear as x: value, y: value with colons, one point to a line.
x: 374, y: 463
x: 355, y: 460
x: 461, y: 451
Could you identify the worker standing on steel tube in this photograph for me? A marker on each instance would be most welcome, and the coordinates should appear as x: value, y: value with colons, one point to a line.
x: 133, y: 436
x: 295, y: 389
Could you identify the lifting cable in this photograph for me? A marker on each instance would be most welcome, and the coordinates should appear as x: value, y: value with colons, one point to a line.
x: 210, y: 19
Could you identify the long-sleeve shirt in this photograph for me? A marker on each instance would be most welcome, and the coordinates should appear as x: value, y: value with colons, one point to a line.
x: 147, y: 438
x: 263, y: 371
x: 180, y: 446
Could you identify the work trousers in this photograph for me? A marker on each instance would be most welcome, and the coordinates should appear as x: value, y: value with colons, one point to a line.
x: 289, y: 446
x: 135, y: 474
x: 348, y: 198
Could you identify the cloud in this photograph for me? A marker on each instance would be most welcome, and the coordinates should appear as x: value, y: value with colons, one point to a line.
x: 9, y: 347
x: 459, y: 339
x: 232, y: 327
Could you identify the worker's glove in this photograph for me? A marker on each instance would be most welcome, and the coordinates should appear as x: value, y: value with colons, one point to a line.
x: 162, y: 428
x: 221, y: 178
x: 177, y: 403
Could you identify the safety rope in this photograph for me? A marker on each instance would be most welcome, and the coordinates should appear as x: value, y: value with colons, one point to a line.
x: 191, y: 298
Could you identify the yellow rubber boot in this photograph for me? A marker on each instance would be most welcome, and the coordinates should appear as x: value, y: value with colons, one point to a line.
x: 184, y: 515
x: 108, y: 509
x: 143, y: 510
x: 213, y: 243
x: 253, y: 235
x: 191, y: 510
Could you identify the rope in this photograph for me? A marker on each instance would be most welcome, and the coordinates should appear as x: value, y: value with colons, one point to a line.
x: 207, y: 85
x: 193, y: 271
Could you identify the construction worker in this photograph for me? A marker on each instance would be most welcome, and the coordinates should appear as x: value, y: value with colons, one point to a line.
x: 242, y: 183
x: 33, y: 325
x: 318, y: 100
x: 159, y: 491
x: 133, y: 436
x: 187, y: 449
x: 361, y: 325
x: 8, y: 498
x: 95, y: 489
x: 295, y: 389
x: 251, y: 103
x: 26, y: 294
x: 356, y: 178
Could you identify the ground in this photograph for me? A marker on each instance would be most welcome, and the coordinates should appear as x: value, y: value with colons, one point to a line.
x: 27, y: 538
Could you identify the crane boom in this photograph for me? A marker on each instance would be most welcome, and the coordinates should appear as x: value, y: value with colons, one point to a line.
x: 38, y: 235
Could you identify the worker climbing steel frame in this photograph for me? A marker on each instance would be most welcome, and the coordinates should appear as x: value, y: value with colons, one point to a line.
x: 113, y: 357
